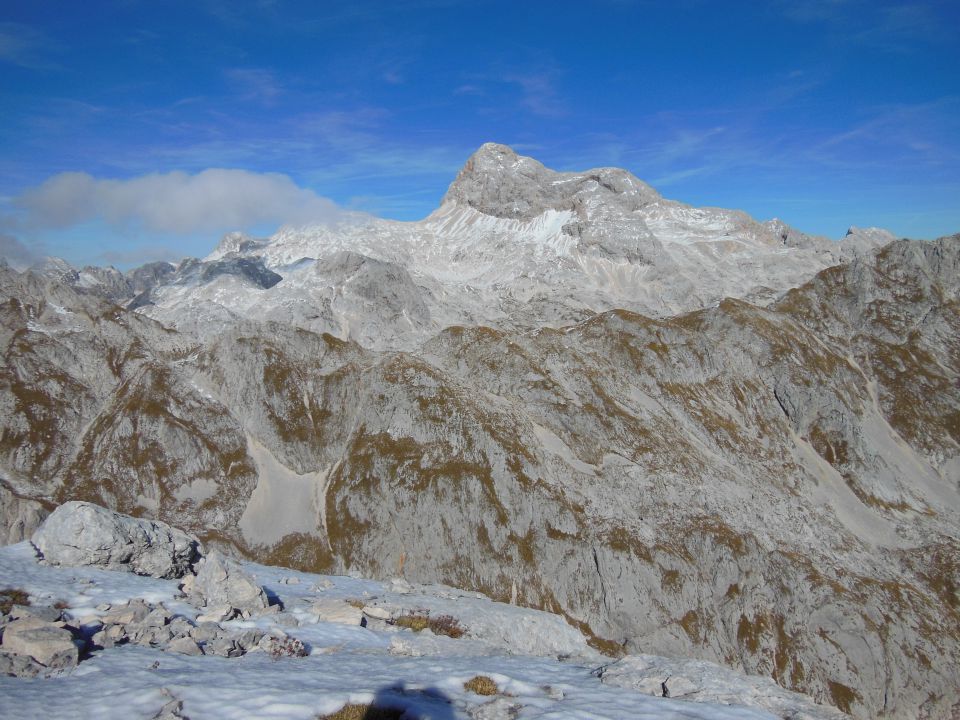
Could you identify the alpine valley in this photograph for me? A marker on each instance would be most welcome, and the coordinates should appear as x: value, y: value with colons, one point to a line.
x: 689, y: 433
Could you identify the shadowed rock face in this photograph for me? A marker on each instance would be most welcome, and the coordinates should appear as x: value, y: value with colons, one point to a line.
x: 772, y: 488
x: 251, y: 270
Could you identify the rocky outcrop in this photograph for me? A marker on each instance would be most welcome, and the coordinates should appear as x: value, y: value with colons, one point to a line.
x: 142, y: 623
x: 222, y: 583
x: 708, y: 683
x: 499, y: 182
x: 20, y: 515
x: 251, y: 270
x: 49, y: 645
x: 80, y: 533
x: 37, y: 641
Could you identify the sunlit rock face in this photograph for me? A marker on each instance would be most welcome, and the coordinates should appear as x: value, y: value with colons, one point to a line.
x: 513, y: 245
x: 691, y: 433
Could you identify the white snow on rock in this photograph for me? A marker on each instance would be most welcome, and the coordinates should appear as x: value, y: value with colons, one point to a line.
x: 512, y: 245
x: 381, y: 664
x: 702, y: 681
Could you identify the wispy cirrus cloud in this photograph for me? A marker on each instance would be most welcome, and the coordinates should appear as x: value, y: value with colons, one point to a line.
x: 255, y: 84
x: 176, y: 203
x: 539, y: 93
x: 895, y: 26
x: 534, y: 91
x: 923, y: 133
x: 814, y: 10
x: 904, y: 26
x: 26, y: 46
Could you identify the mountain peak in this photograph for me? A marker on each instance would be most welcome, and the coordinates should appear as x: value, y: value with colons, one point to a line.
x: 497, y: 181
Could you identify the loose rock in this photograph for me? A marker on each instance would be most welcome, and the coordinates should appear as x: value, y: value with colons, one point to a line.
x: 184, y: 646
x: 80, y: 533
x: 46, y: 643
x: 222, y: 582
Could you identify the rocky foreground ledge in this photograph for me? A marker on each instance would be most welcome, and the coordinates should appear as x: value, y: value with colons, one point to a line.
x: 118, y: 617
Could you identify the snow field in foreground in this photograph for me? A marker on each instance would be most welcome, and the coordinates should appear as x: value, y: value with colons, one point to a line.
x: 347, y: 664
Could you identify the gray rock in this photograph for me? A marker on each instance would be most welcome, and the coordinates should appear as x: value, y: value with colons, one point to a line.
x: 46, y: 643
x: 20, y: 516
x: 251, y: 270
x: 220, y: 582
x: 150, y: 636
x: 172, y: 709
x: 217, y: 614
x: 336, y: 611
x: 40, y: 612
x: 500, y: 708
x: 377, y: 613
x: 223, y: 646
x: 158, y: 617
x: 205, y: 632
x: 184, y: 646
x: 80, y: 533
x: 248, y: 639
x: 21, y: 666
x: 132, y: 612
x: 698, y: 681
x: 181, y: 626
x: 100, y: 640
x: 116, y: 633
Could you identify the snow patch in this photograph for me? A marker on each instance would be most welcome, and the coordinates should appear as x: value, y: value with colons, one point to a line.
x: 553, y: 444
x: 283, y: 502
x: 198, y: 491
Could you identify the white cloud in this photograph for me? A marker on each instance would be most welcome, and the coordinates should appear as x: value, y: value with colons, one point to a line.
x: 18, y: 255
x: 179, y: 203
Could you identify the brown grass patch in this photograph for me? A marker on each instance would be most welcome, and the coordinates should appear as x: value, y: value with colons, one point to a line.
x: 481, y: 685
x: 413, y: 622
x: 11, y: 597
x: 446, y: 625
x: 363, y: 712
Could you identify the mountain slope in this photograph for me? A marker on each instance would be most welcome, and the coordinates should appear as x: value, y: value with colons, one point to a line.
x: 513, y: 246
x: 771, y: 487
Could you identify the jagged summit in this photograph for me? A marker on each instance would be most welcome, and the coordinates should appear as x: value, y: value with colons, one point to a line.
x: 497, y: 181
x: 513, y: 245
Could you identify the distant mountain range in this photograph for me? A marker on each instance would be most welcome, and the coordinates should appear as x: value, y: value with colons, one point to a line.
x: 691, y: 433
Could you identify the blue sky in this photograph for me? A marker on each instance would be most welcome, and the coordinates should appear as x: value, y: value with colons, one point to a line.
x: 137, y: 130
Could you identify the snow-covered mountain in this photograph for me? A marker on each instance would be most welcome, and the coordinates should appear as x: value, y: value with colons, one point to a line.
x: 691, y: 434
x: 512, y: 246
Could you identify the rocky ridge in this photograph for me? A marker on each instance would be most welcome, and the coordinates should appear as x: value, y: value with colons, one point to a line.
x: 772, y: 487
x: 513, y: 246
x: 388, y: 623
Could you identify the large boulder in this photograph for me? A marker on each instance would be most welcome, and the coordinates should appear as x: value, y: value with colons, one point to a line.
x: 46, y: 643
x: 222, y: 582
x: 81, y: 533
